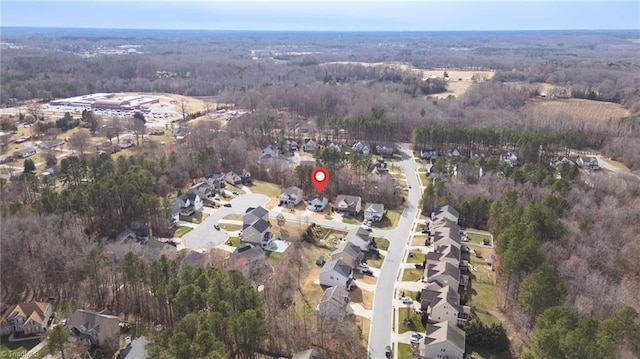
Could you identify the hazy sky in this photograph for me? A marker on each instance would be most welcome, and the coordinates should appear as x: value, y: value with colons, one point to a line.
x: 353, y: 15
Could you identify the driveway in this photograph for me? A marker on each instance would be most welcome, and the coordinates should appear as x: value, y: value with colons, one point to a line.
x: 204, y: 236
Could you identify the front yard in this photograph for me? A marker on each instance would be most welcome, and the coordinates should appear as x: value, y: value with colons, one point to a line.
x: 412, y: 274
x: 381, y: 243
x: 231, y: 227
x: 374, y: 260
x: 405, y: 351
x: 181, y: 231
x: 410, y: 320
x: 419, y: 240
x: 265, y: 188
x: 415, y: 256
x: 390, y: 219
x: 195, y: 218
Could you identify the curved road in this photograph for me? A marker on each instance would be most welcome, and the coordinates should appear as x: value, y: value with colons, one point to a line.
x: 206, y: 236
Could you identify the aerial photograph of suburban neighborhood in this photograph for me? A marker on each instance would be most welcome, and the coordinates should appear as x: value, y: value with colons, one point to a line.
x: 279, y: 179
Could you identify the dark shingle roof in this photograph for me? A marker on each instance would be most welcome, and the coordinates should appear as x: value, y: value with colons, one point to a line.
x: 339, y: 266
x: 348, y: 248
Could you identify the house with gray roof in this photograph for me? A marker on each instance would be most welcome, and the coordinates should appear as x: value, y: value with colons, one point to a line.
x: 270, y: 151
x: 443, y: 303
x: 361, y: 238
x: 203, y: 190
x: 256, y: 228
x: 443, y: 273
x: 134, y: 349
x: 447, y: 212
x: 308, y: 354
x: 348, y: 253
x: 290, y: 196
x: 310, y: 145
x: 317, y: 203
x: 238, y: 177
x: 187, y: 204
x: 445, y: 253
x: 334, y: 303
x: 360, y: 147
x: 385, y: 149
x: 373, y: 212
x: 349, y: 205
x: 442, y: 340
x: 336, y: 273
x: 215, y: 181
x: 95, y: 328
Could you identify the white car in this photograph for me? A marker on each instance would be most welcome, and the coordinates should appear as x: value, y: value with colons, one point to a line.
x: 415, y: 338
x: 406, y: 300
x: 363, y: 265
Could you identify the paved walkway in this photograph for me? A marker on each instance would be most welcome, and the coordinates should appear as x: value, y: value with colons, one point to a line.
x: 359, y: 310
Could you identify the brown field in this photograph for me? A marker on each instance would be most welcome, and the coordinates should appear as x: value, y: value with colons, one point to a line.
x: 460, y: 80
x: 584, y: 109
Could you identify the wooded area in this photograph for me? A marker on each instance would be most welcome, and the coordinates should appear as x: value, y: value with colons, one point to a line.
x: 568, y: 234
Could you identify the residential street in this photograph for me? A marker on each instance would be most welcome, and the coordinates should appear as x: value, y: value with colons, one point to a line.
x: 206, y: 236
x: 380, y: 333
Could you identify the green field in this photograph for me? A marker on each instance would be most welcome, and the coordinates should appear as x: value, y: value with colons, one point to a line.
x: 16, y: 349
x: 423, y: 178
x: 477, y: 238
x: 374, y: 260
x: 412, y: 274
x: 405, y: 351
x: 382, y: 243
x: 414, y: 324
x: 390, y: 219
x: 233, y: 241
x: 418, y: 257
x: 231, y: 227
x: 265, y: 188
x: 181, y: 231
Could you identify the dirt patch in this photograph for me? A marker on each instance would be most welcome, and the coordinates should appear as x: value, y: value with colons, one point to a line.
x: 362, y: 297
x: 233, y: 217
x: 273, y: 203
x: 365, y: 278
x: 364, y: 326
x: 311, y: 293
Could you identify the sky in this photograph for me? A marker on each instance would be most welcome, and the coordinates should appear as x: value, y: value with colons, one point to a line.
x: 327, y: 15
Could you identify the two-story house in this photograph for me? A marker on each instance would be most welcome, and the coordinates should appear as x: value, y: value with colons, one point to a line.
x: 93, y: 328
x: 337, y: 273
x: 256, y: 228
x: 26, y: 318
x: 348, y: 253
x: 348, y: 205
x: 442, y: 340
x: 290, y: 196
x: 373, y: 212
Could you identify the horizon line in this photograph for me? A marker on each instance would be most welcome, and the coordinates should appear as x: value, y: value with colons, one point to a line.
x: 299, y: 30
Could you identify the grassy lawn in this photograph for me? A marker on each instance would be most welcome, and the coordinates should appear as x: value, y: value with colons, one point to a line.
x: 477, y: 238
x: 273, y: 256
x: 405, y: 351
x: 364, y: 326
x: 195, y: 218
x: 16, y: 349
x: 487, y: 319
x: 412, y: 274
x: 265, y: 188
x: 424, y: 178
x: 382, y: 243
x: 374, y: 260
x: 413, y: 324
x: 41, y: 353
x: 418, y: 257
x: 181, y: 231
x: 351, y: 220
x: 234, y: 241
x: 482, y: 289
x: 233, y: 217
x: 231, y: 227
x: 390, y: 219
x: 419, y: 240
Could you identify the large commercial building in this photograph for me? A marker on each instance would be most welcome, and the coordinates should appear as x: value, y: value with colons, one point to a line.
x: 107, y: 101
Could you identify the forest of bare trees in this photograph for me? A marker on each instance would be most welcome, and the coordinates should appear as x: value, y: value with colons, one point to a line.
x: 583, y: 225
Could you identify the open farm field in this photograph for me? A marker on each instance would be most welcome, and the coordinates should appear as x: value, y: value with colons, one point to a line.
x: 587, y: 110
x: 460, y: 80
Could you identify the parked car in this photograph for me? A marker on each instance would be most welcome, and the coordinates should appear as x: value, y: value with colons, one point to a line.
x: 406, y: 300
x: 368, y: 272
x: 419, y: 266
x: 387, y: 351
x: 425, y: 231
x: 415, y: 338
x: 235, y: 193
x: 217, y: 227
x: 374, y: 250
x: 227, y: 205
x: 363, y: 265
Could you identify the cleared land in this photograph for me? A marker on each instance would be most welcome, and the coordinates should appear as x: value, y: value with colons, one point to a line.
x: 460, y: 80
x: 588, y: 110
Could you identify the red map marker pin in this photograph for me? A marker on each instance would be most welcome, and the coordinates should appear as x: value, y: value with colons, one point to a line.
x: 320, y: 177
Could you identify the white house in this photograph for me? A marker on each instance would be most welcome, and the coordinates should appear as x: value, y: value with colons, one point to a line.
x: 337, y: 273
x: 26, y: 318
x: 256, y: 228
x: 443, y: 304
x: 443, y: 340
x: 317, y: 203
x: 385, y: 149
x: 290, y: 196
x: 588, y: 162
x: 310, y: 145
x: 187, y: 204
x: 510, y: 158
x: 361, y: 147
x: 373, y: 212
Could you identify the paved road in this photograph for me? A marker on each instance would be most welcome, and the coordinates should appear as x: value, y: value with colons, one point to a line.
x: 380, y: 333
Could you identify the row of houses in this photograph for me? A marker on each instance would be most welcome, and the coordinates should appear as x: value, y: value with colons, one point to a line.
x: 337, y: 274
x: 311, y: 145
x: 431, y: 155
x: 443, y: 277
